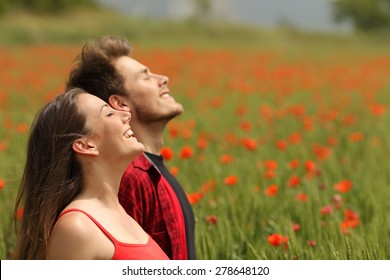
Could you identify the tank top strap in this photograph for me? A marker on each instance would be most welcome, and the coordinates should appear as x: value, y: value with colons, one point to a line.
x: 92, y: 219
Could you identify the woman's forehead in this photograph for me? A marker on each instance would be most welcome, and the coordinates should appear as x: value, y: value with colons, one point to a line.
x: 90, y: 104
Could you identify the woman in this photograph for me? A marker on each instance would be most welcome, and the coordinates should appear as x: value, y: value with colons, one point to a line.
x: 78, y: 150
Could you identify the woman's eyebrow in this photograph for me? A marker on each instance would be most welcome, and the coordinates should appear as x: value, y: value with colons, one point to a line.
x: 101, y: 109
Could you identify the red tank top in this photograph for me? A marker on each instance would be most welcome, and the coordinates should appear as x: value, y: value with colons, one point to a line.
x: 126, y: 251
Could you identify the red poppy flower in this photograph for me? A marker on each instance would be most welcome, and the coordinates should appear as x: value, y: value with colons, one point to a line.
x: 281, y: 145
x: 356, y: 137
x: 297, y: 110
x: 202, y: 143
x: 2, y: 184
x: 311, y: 169
x: 321, y: 152
x: 326, y: 210
x: 351, y: 215
x: 337, y: 200
x: 22, y: 128
x: 245, y: 126
x: 271, y: 190
x: 293, y: 181
x: 296, y: 227
x: 277, y: 239
x: 301, y: 197
x: 209, y: 186
x: 3, y: 146
x: 271, y: 164
x: 269, y: 174
x: 230, y: 180
x: 249, y: 143
x: 167, y: 153
x: 226, y: 158
x: 194, y: 198
x: 186, y: 152
x: 212, y: 219
x: 343, y: 186
x: 377, y: 109
x: 310, y: 166
x: 186, y: 133
x: 173, y: 131
x: 351, y: 220
x: 174, y: 170
x: 295, y: 138
x: 294, y: 163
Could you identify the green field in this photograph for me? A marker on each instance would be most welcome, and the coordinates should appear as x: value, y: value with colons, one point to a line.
x: 286, y: 132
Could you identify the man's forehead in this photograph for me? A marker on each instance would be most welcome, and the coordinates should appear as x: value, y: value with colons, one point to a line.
x: 128, y: 62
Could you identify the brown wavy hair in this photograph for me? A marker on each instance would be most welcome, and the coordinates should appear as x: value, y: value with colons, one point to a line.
x: 94, y: 71
x: 52, y: 174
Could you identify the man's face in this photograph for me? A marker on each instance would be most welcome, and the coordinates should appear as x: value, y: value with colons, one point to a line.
x: 148, y: 93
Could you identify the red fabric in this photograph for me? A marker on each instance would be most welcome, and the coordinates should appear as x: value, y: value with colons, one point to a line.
x: 149, y: 199
x: 176, y: 212
x: 126, y: 251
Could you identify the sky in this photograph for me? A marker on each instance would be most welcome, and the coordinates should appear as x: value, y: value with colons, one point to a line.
x: 312, y: 15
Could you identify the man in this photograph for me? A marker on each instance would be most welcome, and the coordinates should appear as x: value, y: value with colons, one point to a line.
x: 148, y: 192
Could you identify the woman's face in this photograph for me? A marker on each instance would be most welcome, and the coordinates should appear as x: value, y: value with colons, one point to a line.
x: 111, y: 132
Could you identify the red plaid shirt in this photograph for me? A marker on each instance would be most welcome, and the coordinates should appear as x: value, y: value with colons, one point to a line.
x: 149, y: 199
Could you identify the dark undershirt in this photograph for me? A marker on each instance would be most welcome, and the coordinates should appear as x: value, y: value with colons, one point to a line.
x: 188, y: 214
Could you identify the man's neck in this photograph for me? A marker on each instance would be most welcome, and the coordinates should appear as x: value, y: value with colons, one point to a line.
x: 153, y: 148
x: 151, y: 137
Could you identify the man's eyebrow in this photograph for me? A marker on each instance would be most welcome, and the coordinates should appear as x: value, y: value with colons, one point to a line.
x: 101, y: 109
x: 145, y: 70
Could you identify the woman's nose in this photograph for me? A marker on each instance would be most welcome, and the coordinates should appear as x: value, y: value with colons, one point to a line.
x: 126, y: 116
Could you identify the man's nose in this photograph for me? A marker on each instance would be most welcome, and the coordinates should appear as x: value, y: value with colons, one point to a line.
x: 163, y: 80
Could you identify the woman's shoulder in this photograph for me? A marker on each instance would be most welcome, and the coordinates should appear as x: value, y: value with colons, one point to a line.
x: 75, y: 224
x: 74, y: 236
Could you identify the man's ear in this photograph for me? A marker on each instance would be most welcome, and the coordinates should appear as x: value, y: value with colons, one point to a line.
x: 119, y: 102
x: 84, y: 147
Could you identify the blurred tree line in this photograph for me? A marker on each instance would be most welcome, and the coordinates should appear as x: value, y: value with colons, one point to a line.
x: 202, y: 7
x: 365, y: 15
x: 44, y: 6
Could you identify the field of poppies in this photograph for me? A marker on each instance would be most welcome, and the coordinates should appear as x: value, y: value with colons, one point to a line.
x: 283, y: 150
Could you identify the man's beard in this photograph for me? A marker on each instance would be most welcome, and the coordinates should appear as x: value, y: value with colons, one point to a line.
x: 147, y: 117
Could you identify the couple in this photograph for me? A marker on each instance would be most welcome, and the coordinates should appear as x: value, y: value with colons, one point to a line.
x: 82, y: 153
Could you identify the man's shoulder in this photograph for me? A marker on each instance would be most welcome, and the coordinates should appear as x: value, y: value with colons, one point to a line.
x: 141, y: 162
x: 140, y: 165
x: 140, y: 172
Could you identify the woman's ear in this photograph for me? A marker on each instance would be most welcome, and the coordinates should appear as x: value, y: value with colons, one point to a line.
x: 84, y: 147
x: 118, y: 102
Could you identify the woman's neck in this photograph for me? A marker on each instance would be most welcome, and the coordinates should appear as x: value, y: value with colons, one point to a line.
x: 101, y: 183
